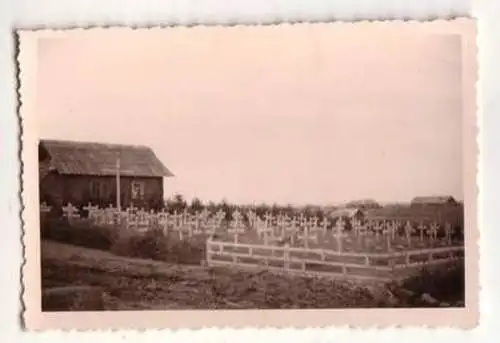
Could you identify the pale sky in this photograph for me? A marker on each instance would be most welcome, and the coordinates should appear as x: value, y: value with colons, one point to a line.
x: 298, y: 114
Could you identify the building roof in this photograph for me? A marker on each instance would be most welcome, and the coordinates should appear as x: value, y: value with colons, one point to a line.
x: 362, y: 203
x: 99, y: 159
x: 345, y: 212
x: 433, y: 200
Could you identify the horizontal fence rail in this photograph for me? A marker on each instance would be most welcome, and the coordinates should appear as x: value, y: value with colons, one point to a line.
x: 381, y: 266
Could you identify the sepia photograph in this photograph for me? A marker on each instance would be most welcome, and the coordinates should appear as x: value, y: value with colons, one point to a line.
x: 281, y: 167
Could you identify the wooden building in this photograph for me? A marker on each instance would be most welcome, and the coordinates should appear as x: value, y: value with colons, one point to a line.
x: 83, y: 172
x: 347, y: 214
x: 433, y: 200
x: 363, y: 204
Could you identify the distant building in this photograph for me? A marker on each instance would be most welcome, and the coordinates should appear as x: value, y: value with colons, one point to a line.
x: 433, y: 200
x: 82, y: 172
x: 347, y: 213
x: 363, y: 204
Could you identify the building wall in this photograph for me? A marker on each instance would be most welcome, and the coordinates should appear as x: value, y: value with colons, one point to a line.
x: 51, y: 190
x: 79, y: 190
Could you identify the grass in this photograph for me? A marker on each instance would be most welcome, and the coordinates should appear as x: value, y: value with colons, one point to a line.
x: 139, y: 284
x: 80, y: 233
x: 134, y: 284
x: 153, y: 270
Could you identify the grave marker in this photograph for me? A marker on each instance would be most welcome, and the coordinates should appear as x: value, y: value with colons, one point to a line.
x: 70, y: 212
x: 421, y: 228
x: 448, y: 233
x: 236, y: 225
x: 408, y: 231
x: 340, y: 225
x: 433, y: 232
x: 324, y: 224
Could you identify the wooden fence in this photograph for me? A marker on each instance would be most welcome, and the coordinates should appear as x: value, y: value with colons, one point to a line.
x: 321, y: 262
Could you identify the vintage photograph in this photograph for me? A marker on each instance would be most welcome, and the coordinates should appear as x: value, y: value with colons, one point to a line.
x: 307, y: 166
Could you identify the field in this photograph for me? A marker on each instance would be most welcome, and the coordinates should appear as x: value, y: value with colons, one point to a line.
x: 133, y: 284
x: 182, y: 264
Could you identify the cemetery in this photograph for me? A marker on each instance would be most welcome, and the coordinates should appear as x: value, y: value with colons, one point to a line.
x: 384, y: 250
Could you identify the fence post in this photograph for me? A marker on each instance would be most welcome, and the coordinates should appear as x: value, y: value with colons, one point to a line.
x: 207, y: 250
x: 286, y: 256
x: 388, y: 238
x: 407, y: 259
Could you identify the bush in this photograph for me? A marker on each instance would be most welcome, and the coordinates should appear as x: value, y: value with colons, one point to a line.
x: 155, y: 245
x: 80, y: 233
x: 445, y: 285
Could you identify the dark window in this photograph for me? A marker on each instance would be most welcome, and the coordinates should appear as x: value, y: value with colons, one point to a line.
x: 137, y: 190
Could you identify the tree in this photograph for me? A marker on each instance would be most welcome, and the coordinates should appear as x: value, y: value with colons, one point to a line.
x: 226, y: 208
x: 196, y: 205
x: 212, y: 207
x: 176, y: 203
x: 261, y: 209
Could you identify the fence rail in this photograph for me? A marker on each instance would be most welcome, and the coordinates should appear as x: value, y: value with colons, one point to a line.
x: 219, y: 253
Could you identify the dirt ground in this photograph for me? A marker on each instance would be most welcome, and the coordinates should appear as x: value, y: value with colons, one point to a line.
x: 132, y: 284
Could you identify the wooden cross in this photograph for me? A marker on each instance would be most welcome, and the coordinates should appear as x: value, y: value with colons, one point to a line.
x: 279, y: 220
x: 362, y: 232
x: 314, y: 221
x: 175, y: 221
x: 163, y: 220
x: 131, y: 221
x: 293, y: 223
x: 235, y: 231
x: 44, y: 208
x: 421, y: 228
x: 305, y: 236
x: 324, y: 224
x: 142, y: 220
x: 408, y: 231
x: 357, y: 228
x: 220, y: 215
x: 286, y: 223
x: 448, y: 232
x: 236, y: 225
x: 153, y: 216
x: 302, y: 220
x: 388, y: 233
x: 70, y: 212
x: 394, y: 227
x: 109, y: 214
x: 88, y: 208
x: 433, y: 231
x: 378, y: 228
x: 132, y: 208
x: 212, y: 226
x: 268, y: 219
x: 340, y: 232
x: 251, y: 218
